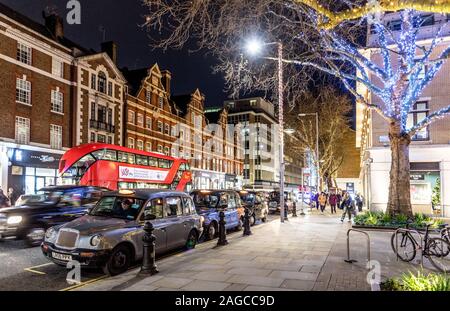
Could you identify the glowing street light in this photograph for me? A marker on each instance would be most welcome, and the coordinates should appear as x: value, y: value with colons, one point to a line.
x: 254, y: 47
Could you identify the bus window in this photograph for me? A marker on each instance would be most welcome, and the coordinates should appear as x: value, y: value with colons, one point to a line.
x: 141, y: 160
x: 105, y: 154
x: 80, y: 167
x: 164, y: 163
x: 126, y: 157
x: 153, y: 161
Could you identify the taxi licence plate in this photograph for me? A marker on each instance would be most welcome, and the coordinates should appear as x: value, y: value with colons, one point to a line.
x: 63, y: 257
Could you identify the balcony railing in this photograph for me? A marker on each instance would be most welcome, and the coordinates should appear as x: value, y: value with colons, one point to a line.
x: 103, y: 126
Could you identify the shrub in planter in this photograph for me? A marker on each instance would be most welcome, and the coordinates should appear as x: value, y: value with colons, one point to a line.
x: 419, y: 282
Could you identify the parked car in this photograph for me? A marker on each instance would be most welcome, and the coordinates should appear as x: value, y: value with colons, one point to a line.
x: 209, y: 203
x: 110, y: 236
x: 50, y: 206
x: 257, y: 204
x: 274, y: 201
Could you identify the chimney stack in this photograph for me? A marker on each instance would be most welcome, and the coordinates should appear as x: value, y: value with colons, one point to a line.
x: 110, y: 48
x: 166, y: 78
x: 54, y: 24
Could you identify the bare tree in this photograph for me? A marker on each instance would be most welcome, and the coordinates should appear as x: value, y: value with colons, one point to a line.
x: 333, y: 110
x: 318, y: 36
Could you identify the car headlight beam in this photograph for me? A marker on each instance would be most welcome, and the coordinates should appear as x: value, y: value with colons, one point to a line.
x: 14, y: 220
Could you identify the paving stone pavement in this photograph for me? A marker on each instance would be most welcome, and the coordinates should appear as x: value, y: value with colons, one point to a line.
x: 304, y: 253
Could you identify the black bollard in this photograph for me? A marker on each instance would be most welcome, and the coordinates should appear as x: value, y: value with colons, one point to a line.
x: 247, y: 230
x: 222, y: 232
x: 148, y: 262
x: 294, y: 209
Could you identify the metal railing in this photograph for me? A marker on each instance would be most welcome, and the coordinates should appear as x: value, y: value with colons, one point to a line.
x: 348, y: 245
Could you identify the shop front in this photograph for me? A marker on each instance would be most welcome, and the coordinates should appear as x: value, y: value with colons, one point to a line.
x: 31, y: 170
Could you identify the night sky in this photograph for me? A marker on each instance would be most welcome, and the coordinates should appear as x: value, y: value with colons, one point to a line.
x: 121, y: 19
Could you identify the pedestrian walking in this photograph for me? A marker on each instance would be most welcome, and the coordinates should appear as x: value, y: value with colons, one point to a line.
x: 348, y: 206
x: 333, y: 200
x: 322, y: 201
x: 316, y: 200
x: 4, y: 201
x: 359, y: 202
x: 12, y: 196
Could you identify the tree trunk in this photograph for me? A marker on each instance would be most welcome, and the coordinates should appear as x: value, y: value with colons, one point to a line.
x: 399, y: 186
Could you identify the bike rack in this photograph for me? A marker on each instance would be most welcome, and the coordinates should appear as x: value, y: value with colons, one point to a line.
x: 404, y: 230
x: 348, y: 245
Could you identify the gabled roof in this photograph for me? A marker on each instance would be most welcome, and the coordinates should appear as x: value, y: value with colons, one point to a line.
x: 135, y: 79
x: 41, y: 29
x: 108, y: 60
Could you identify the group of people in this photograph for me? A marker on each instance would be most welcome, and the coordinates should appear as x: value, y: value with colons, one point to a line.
x: 340, y: 199
x: 9, y: 199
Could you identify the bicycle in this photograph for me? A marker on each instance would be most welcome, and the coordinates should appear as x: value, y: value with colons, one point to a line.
x: 436, y: 249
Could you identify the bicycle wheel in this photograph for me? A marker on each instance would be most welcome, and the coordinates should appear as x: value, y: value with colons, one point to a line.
x: 438, y: 253
x: 406, y: 245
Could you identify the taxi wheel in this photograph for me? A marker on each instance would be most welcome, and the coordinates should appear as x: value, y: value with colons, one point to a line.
x: 211, y: 232
x: 191, y: 241
x: 34, y: 237
x: 119, y: 261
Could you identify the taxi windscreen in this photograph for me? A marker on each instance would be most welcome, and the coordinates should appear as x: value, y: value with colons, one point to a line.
x: 118, y: 207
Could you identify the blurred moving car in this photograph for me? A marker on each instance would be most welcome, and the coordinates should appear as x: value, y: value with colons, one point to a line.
x: 50, y: 206
x: 209, y: 203
x: 110, y: 236
x: 257, y: 204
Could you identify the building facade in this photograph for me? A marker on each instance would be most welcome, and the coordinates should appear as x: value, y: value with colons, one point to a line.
x: 429, y: 149
x: 259, y: 138
x: 178, y: 126
x: 55, y: 94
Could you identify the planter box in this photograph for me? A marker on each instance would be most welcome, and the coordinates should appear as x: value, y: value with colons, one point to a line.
x: 376, y: 227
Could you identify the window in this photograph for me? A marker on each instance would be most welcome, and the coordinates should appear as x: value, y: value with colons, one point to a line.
x: 148, y: 96
x: 23, y: 91
x: 161, y: 101
x: 167, y: 151
x: 167, y: 129
x: 93, y: 111
x: 110, y: 116
x: 55, y: 136
x: 140, y: 159
x: 154, y: 208
x: 140, y: 145
x: 93, y: 81
x: 140, y: 120
x: 23, y: 53
x: 188, y: 206
x: 110, y: 140
x: 173, y: 207
x: 258, y: 174
x: 57, y: 101
x: 92, y: 137
x: 131, y: 143
x: 125, y: 157
x: 246, y: 173
x: 148, y: 147
x: 22, y: 130
x: 416, y: 115
x: 105, y: 154
x: 102, y: 82
x: 57, y: 68
x: 160, y: 148
x: 148, y: 122
x: 131, y: 117
x: 160, y: 126
x: 101, y: 138
x: 253, y: 102
x: 110, y: 89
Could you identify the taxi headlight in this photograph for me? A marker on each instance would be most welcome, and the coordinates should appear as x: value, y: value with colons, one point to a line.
x: 95, y: 240
x: 50, y: 234
x: 14, y: 220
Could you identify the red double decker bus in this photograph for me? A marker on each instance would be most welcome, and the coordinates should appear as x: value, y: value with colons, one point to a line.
x: 117, y: 167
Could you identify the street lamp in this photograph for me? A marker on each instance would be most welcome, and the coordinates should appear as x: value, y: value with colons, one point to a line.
x: 254, y: 47
x: 317, y: 144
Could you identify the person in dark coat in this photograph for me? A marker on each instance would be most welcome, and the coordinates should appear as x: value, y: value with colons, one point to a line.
x: 348, y: 206
x: 333, y: 202
x: 4, y: 201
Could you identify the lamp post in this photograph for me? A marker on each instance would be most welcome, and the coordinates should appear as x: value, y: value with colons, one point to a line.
x: 317, y: 144
x: 254, y: 47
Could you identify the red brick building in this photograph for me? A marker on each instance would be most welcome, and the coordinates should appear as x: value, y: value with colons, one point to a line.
x: 54, y: 94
